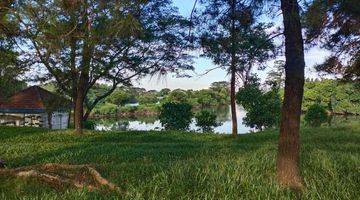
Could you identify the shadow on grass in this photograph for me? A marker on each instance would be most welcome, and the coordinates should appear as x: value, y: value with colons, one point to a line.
x: 7, y: 133
x: 138, y: 157
x: 343, y: 139
x: 135, y: 146
x: 135, y: 159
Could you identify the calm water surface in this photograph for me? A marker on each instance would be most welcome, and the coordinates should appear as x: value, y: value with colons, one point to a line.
x: 223, y: 116
x: 152, y: 123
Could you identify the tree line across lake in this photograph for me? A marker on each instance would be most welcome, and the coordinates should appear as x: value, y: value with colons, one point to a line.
x: 335, y: 96
x: 261, y: 101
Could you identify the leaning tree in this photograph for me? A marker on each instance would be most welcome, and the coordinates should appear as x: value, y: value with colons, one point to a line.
x: 232, y: 37
x: 81, y: 43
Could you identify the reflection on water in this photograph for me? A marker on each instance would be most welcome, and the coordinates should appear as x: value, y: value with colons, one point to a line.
x: 223, y: 116
x: 152, y: 123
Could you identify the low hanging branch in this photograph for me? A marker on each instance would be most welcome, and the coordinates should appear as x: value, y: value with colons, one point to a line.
x: 61, y: 175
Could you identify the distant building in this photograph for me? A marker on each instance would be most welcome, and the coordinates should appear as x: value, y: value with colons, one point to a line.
x: 133, y: 104
x: 35, y: 107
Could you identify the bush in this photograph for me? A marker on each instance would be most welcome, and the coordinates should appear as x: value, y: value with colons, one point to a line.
x: 177, y: 96
x: 106, y: 108
x: 89, y: 124
x: 129, y: 109
x: 175, y: 116
x: 206, y: 119
x: 263, y: 108
x: 316, y: 115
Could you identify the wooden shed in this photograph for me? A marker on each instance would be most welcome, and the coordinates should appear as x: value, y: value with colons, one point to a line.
x: 35, y: 107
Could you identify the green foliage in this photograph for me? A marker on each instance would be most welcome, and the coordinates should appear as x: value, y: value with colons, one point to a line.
x: 175, y: 116
x: 206, y: 119
x: 316, y: 115
x: 231, y: 35
x: 177, y: 96
x: 276, y: 77
x: 222, y: 89
x: 169, y: 165
x: 263, y: 108
x: 120, y: 97
x: 204, y: 98
x: 337, y: 23
x: 217, y: 95
x: 336, y: 96
x: 129, y: 109
x: 164, y: 92
x: 220, y: 86
x: 207, y: 98
x: 10, y: 85
x: 148, y: 98
x: 106, y: 108
x: 11, y: 70
x: 249, y: 96
x: 81, y: 44
x: 89, y: 124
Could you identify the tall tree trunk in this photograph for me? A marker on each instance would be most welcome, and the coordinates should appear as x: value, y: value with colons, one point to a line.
x: 80, y: 98
x: 78, y: 114
x: 69, y: 119
x: 233, y: 72
x: 288, y: 158
x: 83, y: 80
x: 233, y: 102
x: 49, y: 120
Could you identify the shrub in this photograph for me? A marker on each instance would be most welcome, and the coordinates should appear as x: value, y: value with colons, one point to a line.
x: 177, y: 96
x: 175, y: 116
x: 129, y: 109
x: 106, y: 108
x: 316, y: 115
x: 89, y: 124
x: 263, y: 108
x: 206, y: 120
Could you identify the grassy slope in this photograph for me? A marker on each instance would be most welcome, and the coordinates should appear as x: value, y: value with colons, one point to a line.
x: 187, y: 166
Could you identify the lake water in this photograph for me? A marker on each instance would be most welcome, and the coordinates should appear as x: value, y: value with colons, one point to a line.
x: 223, y: 116
x: 152, y: 123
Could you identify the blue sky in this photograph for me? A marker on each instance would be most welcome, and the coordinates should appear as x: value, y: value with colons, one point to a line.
x: 312, y: 56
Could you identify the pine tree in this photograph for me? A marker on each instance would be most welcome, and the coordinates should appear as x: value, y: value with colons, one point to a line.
x: 335, y: 25
x: 288, y: 158
x: 232, y: 37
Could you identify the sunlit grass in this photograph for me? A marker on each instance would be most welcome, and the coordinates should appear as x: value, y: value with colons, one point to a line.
x: 176, y: 165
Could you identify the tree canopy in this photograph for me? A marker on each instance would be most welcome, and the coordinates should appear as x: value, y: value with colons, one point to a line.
x: 11, y: 69
x: 336, y: 26
x: 232, y: 37
x: 81, y: 43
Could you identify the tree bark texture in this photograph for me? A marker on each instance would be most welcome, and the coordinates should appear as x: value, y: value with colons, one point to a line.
x: 233, y: 103
x: 288, y: 157
x: 233, y: 72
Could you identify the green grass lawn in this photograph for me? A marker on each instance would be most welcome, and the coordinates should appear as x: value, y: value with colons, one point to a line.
x: 176, y: 165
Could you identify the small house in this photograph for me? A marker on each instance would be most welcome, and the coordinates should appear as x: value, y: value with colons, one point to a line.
x: 35, y: 107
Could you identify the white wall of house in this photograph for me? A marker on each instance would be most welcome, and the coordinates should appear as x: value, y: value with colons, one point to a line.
x: 59, y: 120
x: 10, y: 119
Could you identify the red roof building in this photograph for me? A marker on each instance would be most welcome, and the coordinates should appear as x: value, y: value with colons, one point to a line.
x: 34, y: 100
x: 35, y: 106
